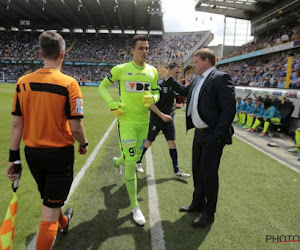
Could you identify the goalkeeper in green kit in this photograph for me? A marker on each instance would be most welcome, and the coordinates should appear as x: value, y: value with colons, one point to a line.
x: 138, y: 90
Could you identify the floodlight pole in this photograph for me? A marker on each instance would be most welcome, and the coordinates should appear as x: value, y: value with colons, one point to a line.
x: 234, y: 32
x: 247, y: 31
x: 224, y: 34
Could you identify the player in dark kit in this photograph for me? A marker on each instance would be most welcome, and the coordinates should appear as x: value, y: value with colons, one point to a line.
x: 162, y: 119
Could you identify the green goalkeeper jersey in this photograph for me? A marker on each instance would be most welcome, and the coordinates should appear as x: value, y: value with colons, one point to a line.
x: 133, y: 81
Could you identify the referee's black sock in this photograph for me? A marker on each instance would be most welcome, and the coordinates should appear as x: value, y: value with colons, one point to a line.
x: 173, y: 154
x: 144, y: 151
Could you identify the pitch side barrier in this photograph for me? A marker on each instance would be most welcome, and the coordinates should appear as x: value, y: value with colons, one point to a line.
x: 81, y: 83
x: 70, y: 63
x: 261, y: 52
x: 271, y: 92
x: 93, y: 84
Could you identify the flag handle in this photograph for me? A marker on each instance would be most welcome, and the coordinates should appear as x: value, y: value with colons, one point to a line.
x: 17, y: 171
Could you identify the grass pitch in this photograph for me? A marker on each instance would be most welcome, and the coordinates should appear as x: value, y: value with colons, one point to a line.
x: 258, y: 196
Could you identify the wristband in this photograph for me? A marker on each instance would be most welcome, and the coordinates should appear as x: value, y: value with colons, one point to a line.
x: 14, y: 155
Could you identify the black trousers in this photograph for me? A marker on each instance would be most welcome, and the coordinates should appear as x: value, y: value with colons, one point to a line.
x: 207, y: 152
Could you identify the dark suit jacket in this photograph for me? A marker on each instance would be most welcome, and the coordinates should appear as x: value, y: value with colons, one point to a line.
x: 216, y: 103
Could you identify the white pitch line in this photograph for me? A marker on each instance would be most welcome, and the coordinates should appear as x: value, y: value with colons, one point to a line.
x: 156, y: 230
x: 90, y: 160
x: 80, y: 174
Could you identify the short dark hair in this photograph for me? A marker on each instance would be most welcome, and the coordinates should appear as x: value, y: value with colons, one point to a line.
x: 206, y: 53
x: 51, y: 44
x: 173, y: 65
x: 138, y: 38
x: 267, y: 103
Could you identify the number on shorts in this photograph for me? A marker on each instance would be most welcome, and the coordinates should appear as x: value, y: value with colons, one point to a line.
x: 132, y: 151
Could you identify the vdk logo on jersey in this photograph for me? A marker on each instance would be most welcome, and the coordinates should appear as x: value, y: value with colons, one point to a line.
x: 137, y: 86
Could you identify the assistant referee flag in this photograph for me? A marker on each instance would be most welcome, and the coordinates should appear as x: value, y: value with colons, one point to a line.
x: 8, y: 226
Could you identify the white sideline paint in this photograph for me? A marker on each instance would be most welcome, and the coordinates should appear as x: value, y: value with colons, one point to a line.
x: 90, y: 160
x: 80, y: 174
x: 156, y: 230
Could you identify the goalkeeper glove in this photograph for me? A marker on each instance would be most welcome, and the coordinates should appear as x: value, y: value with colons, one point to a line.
x: 148, y: 100
x: 116, y: 108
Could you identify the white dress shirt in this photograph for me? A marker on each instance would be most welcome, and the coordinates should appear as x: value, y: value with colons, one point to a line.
x: 197, y: 121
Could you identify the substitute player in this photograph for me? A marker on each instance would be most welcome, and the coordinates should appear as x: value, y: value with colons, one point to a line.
x: 162, y: 119
x: 47, y: 112
x: 138, y: 90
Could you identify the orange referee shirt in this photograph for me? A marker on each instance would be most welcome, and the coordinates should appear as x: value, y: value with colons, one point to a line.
x: 47, y: 99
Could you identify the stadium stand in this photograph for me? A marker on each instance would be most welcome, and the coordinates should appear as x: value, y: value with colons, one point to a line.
x: 257, y: 72
x: 87, y: 49
x: 280, y: 37
x: 91, y: 55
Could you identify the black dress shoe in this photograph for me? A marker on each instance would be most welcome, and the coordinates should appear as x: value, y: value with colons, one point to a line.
x: 203, y: 220
x: 189, y: 209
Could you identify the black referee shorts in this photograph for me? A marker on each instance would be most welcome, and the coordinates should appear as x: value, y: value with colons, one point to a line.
x: 52, y: 169
x: 156, y: 126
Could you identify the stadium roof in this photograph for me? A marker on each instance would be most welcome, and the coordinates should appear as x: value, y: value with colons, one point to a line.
x: 254, y: 10
x: 118, y: 15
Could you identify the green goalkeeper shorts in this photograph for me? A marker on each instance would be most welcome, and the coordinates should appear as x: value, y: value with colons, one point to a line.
x: 132, y: 140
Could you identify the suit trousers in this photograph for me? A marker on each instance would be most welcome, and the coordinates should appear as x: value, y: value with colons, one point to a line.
x: 206, y: 155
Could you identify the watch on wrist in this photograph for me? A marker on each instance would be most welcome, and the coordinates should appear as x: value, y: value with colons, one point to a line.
x: 85, y: 145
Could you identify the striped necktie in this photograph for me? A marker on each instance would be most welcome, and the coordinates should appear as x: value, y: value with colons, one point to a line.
x: 193, y: 95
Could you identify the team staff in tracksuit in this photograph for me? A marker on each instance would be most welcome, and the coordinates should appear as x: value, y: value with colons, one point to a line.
x: 271, y: 115
x: 257, y: 111
x: 239, y: 107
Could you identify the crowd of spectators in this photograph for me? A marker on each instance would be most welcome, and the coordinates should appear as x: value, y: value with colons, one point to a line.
x: 89, y: 48
x: 80, y: 73
x: 116, y: 49
x: 287, y: 35
x: 13, y: 72
x: 86, y: 73
x: 269, y: 74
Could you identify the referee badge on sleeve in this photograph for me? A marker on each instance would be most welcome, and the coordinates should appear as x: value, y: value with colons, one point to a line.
x: 79, y: 106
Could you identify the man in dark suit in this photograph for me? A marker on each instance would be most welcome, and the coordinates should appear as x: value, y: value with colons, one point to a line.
x: 210, y: 109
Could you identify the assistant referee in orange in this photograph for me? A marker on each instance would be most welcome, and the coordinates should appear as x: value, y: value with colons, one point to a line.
x: 47, y: 111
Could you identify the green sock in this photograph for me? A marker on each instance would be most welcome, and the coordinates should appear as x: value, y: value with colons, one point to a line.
x: 131, y: 183
x: 256, y: 124
x: 297, y: 138
x: 266, y: 126
x: 250, y: 121
x: 236, y: 117
x: 247, y: 119
x: 243, y: 116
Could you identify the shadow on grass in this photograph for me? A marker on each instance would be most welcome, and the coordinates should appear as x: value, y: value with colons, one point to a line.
x: 159, y: 181
x: 105, y: 225
x: 182, y: 235
x: 29, y: 238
